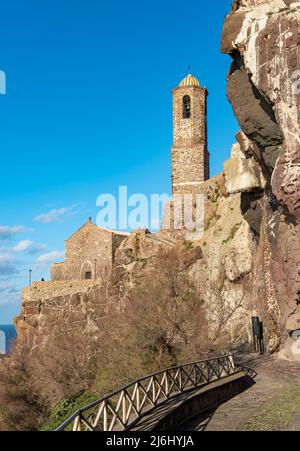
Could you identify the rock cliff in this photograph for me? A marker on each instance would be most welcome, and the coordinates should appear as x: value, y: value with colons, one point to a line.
x: 263, y: 39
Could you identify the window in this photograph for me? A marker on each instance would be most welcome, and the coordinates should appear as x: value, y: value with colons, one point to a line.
x: 88, y: 275
x: 186, y: 107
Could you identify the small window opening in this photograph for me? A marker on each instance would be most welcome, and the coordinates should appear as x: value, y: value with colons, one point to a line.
x: 88, y: 275
x: 186, y: 107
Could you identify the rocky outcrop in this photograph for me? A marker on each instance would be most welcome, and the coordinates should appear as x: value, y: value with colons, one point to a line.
x: 224, y: 271
x: 242, y: 172
x: 263, y: 39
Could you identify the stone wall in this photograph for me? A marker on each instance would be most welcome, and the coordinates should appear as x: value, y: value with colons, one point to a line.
x: 90, y: 250
x: 189, y: 168
x: 61, y: 305
x: 192, y: 131
x: 190, y: 157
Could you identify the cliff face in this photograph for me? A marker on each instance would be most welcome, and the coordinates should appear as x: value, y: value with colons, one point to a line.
x: 263, y: 38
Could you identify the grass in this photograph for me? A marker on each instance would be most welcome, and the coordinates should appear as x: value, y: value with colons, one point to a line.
x: 276, y: 414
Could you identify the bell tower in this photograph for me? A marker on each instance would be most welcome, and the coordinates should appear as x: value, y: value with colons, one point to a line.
x: 190, y: 156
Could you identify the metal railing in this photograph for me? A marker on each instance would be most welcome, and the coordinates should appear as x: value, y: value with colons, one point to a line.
x: 121, y: 409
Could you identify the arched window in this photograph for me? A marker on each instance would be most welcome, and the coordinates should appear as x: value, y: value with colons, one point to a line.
x: 186, y: 107
x: 87, y: 270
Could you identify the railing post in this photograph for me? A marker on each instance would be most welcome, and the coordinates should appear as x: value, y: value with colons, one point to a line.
x: 153, y: 390
x: 105, y: 418
x: 138, y: 398
x: 167, y: 384
x: 77, y: 424
x: 232, y: 363
x: 124, y: 408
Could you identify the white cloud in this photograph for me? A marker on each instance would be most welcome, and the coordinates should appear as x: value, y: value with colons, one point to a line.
x: 22, y: 246
x: 45, y: 259
x: 7, y: 232
x: 56, y: 214
x: 29, y: 247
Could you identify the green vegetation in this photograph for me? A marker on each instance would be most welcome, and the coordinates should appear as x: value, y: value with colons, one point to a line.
x: 66, y: 408
x: 232, y: 234
x: 276, y: 414
x: 214, y: 195
x: 188, y: 245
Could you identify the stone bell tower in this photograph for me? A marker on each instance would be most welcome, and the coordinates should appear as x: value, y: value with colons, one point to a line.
x: 190, y: 156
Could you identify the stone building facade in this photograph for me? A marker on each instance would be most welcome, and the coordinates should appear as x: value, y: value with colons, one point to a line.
x: 90, y: 254
x: 190, y: 156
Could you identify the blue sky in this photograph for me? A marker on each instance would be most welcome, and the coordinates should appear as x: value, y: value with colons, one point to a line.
x: 88, y: 108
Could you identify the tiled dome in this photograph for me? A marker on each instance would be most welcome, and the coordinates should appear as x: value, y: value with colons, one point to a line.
x: 189, y: 80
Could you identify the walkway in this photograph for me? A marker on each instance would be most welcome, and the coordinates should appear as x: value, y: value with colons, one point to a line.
x: 272, y: 403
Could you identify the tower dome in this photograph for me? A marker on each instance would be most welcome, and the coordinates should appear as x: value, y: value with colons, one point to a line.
x: 189, y: 80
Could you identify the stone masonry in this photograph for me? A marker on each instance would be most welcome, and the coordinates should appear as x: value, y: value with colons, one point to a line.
x: 90, y: 254
x: 190, y: 157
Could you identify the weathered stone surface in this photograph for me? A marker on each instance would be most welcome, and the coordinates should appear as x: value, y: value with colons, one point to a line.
x: 90, y: 253
x: 263, y: 38
x: 238, y: 257
x: 242, y: 174
x: 54, y: 305
x: 222, y: 274
x: 140, y: 245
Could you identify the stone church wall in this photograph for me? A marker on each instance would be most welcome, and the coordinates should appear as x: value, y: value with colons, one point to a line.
x: 89, y: 254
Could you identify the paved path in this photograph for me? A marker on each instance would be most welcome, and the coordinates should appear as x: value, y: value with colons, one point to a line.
x: 273, y: 378
x: 154, y: 418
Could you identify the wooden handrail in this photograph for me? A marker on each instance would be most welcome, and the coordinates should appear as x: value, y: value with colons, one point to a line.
x: 124, y: 407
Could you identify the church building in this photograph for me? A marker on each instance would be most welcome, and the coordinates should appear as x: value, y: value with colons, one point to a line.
x: 90, y: 254
x: 90, y: 251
